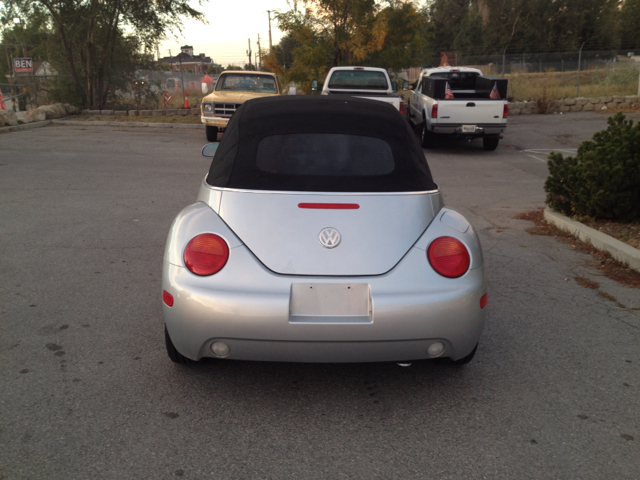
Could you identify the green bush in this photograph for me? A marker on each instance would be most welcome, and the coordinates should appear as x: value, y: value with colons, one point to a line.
x: 603, y: 180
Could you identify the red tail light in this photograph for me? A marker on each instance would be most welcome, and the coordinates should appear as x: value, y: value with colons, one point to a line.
x: 434, y: 111
x: 206, y: 254
x: 402, y: 107
x: 449, y: 257
x: 505, y: 111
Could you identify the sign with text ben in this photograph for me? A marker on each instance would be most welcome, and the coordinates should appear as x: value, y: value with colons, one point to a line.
x: 21, y: 65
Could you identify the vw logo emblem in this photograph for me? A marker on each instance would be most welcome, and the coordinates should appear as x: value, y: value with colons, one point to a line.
x: 329, y: 237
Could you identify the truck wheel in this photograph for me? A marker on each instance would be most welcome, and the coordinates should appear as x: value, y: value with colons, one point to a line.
x: 426, y: 137
x: 490, y: 143
x: 212, y: 133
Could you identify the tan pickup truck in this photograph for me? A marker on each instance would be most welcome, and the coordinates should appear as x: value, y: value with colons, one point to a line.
x: 232, y: 90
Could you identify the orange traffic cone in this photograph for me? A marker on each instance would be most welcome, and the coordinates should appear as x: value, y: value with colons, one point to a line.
x: 186, y: 99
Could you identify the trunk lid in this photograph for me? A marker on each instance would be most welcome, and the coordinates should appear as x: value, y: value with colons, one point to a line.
x: 283, y: 229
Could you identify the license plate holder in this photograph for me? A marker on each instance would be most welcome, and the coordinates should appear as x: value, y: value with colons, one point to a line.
x: 468, y: 129
x: 330, y: 303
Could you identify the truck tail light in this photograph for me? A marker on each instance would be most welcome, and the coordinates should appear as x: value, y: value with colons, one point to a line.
x: 402, y: 108
x: 505, y: 111
x: 434, y: 111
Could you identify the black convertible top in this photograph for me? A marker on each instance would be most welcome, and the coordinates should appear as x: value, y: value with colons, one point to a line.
x: 319, y: 144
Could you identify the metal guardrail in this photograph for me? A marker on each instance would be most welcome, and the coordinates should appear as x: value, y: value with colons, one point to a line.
x: 12, y: 87
x: 11, y: 98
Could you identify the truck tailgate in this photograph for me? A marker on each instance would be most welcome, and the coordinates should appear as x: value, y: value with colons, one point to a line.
x: 470, y: 112
x: 395, y: 100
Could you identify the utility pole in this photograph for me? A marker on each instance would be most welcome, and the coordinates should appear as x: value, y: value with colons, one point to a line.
x: 270, y: 46
x: 579, y: 63
x: 259, y: 54
x: 249, y: 52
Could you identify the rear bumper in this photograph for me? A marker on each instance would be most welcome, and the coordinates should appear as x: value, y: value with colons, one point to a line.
x: 248, y: 307
x: 219, y: 122
x: 457, y: 129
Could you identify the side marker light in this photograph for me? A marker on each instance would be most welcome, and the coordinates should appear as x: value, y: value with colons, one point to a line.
x: 167, y: 298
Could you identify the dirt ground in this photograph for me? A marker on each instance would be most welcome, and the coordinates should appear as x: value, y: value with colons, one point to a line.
x: 628, y: 233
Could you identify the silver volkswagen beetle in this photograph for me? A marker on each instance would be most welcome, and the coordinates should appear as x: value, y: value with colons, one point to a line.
x: 319, y: 235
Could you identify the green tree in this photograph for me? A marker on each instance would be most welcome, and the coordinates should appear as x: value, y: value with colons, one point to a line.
x: 91, y: 36
x: 214, y: 68
x: 399, y: 38
x: 331, y: 33
x: 477, y: 27
x: 630, y: 25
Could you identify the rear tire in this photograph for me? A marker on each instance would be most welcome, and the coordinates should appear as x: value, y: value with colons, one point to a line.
x: 426, y: 137
x: 490, y: 143
x: 212, y: 133
x: 174, y: 354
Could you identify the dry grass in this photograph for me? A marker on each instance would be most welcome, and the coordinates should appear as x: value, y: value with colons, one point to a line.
x: 556, y: 85
x: 587, y: 283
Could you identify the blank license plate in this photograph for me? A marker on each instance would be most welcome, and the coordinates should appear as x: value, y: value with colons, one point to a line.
x: 468, y: 129
x: 329, y: 300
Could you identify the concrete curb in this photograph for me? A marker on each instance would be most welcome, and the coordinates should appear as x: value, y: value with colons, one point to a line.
x: 127, y: 124
x: 618, y: 250
x: 25, y: 126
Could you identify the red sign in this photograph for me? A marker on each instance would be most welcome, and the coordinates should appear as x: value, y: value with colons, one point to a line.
x: 22, y: 65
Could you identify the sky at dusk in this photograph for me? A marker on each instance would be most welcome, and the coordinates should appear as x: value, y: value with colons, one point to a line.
x: 231, y: 24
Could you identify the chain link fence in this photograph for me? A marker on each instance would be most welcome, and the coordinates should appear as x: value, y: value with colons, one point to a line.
x: 142, y: 89
x: 533, y: 76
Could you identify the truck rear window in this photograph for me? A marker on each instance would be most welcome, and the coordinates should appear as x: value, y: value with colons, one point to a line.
x: 358, y: 80
x: 459, y: 80
x: 247, y: 82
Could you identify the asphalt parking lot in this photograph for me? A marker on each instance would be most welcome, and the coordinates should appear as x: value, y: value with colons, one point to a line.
x: 87, y: 390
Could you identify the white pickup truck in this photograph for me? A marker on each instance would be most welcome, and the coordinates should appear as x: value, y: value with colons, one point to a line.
x: 364, y: 82
x: 459, y: 101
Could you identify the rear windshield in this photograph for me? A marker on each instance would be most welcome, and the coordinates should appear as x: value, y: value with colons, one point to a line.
x: 324, y: 154
x: 459, y: 80
x: 247, y: 82
x: 358, y: 80
x: 319, y: 143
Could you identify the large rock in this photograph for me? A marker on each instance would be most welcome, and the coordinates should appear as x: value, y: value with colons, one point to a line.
x: 38, y: 115
x: 71, y: 110
x: 9, y: 118
x: 56, y: 110
x: 23, y: 118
